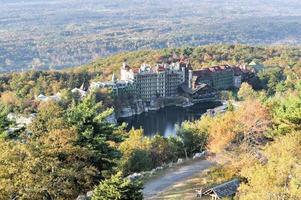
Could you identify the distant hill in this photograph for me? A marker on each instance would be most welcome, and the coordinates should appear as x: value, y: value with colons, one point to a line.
x: 42, y: 34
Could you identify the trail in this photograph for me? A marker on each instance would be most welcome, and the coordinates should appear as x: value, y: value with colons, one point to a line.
x: 156, y: 186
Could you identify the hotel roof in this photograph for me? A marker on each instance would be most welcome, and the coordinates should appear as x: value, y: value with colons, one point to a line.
x: 220, y: 68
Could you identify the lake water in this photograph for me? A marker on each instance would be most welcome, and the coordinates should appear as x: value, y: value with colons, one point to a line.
x: 165, y: 120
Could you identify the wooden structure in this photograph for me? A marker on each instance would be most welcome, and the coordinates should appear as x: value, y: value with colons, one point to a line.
x: 223, y: 190
x: 202, y: 91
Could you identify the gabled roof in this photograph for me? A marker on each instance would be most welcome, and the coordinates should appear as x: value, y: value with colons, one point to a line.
x: 85, y: 86
x: 193, y: 91
x: 253, y: 63
x: 207, y: 71
x: 224, y: 190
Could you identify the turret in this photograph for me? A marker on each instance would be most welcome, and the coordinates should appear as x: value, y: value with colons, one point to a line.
x: 125, y: 64
x: 114, y: 79
x: 84, y: 86
x: 190, y: 73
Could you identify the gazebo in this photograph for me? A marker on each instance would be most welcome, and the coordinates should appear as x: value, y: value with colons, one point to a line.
x: 223, y: 190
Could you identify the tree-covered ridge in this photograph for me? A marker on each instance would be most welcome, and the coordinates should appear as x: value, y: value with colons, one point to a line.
x: 102, y: 69
x: 19, y: 90
x: 201, y: 56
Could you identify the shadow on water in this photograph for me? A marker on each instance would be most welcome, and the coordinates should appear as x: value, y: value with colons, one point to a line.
x: 165, y: 120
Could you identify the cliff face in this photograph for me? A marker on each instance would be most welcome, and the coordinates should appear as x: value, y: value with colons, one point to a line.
x: 136, y: 108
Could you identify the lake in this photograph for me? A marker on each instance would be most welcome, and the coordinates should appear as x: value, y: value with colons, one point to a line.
x: 165, y: 120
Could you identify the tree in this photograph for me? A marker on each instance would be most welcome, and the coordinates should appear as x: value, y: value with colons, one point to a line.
x: 139, y: 160
x: 118, y: 188
x: 9, y: 99
x: 95, y: 133
x: 269, y: 79
x: 246, y: 92
x: 136, y: 153
x: 176, y: 146
x: 194, y: 140
x: 51, y: 167
x: 135, y: 140
x: 161, y: 151
x: 247, y: 124
x: 4, y: 123
x: 281, y: 174
x: 187, y: 51
x: 287, y: 114
x: 50, y: 116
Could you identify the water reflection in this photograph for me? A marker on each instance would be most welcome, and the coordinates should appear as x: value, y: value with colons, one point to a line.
x: 165, y: 120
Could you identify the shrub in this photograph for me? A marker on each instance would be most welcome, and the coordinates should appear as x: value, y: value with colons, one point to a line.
x: 118, y: 188
x: 161, y: 151
x: 193, y: 140
x: 139, y: 160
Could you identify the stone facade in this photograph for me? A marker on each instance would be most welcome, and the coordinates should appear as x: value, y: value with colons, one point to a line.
x: 164, y: 80
x: 159, y: 81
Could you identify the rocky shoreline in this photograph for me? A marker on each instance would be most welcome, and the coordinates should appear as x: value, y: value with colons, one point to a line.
x: 139, y: 107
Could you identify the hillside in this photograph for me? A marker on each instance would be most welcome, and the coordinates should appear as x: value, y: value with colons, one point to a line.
x: 201, y: 56
x: 70, y: 148
x: 20, y: 89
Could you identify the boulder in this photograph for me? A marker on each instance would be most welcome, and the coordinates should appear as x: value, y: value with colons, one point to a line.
x: 180, y: 161
x: 134, y: 176
x: 89, y: 194
x: 199, y: 155
x: 81, y: 197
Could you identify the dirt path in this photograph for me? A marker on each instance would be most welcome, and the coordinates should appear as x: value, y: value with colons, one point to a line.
x: 156, y: 186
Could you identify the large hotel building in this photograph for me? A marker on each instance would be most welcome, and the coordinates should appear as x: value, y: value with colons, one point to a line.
x: 164, y: 80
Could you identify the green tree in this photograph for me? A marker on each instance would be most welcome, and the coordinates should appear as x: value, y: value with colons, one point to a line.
x: 187, y: 51
x: 139, y: 160
x: 95, y: 133
x: 176, y: 146
x: 4, y: 123
x: 270, y: 79
x: 287, y: 114
x: 118, y: 188
x: 193, y: 140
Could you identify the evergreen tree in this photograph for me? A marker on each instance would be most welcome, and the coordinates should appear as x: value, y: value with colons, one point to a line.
x: 4, y: 123
x: 95, y: 133
x: 118, y: 188
x: 287, y: 114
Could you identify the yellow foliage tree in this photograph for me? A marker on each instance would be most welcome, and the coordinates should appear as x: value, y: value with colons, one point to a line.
x: 50, y: 168
x: 9, y: 98
x: 136, y: 141
x: 247, y: 123
x: 280, y: 177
